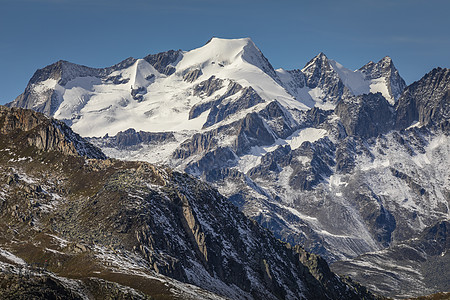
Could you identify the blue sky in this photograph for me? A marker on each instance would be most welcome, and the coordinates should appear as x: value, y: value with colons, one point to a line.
x: 100, y: 33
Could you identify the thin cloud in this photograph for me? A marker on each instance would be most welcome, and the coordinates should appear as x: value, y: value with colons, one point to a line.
x: 418, y: 40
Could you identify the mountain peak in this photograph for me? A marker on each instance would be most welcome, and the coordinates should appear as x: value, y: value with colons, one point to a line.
x: 385, y: 68
x: 321, y: 56
x: 319, y: 60
x: 218, y: 53
x: 386, y: 59
x: 225, y: 40
x: 227, y: 48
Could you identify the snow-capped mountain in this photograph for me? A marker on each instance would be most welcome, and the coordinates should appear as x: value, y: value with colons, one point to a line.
x: 157, y: 88
x: 158, y: 92
x: 343, y: 162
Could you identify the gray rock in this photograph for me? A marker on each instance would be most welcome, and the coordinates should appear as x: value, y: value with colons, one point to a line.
x: 366, y: 115
x: 251, y: 131
x: 208, y: 87
x: 320, y: 74
x: 198, y: 109
x: 409, y: 269
x: 220, y: 111
x: 321, y: 153
x: 138, y: 93
x: 385, y: 68
x: 130, y: 139
x: 278, y: 119
x: 212, y: 162
x: 193, y: 75
x: 163, y: 61
x: 44, y: 133
x: 117, y: 79
x: 426, y: 101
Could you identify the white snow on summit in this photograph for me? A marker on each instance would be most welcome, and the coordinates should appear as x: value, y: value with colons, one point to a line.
x: 95, y: 106
x: 95, y: 102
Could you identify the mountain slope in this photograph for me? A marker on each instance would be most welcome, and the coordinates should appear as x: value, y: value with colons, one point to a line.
x: 146, y: 228
x: 408, y: 269
x: 426, y: 101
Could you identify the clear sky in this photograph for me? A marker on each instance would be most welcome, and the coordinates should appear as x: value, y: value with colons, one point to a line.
x: 100, y: 33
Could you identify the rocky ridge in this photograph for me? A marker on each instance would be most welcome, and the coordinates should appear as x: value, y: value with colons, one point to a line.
x: 45, y: 134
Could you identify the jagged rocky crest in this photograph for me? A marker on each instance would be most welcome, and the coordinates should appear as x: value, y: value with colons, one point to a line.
x: 44, y: 133
x: 385, y: 67
x: 61, y: 72
x: 130, y: 139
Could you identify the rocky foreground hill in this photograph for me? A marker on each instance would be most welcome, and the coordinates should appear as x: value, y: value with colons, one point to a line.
x: 77, y: 225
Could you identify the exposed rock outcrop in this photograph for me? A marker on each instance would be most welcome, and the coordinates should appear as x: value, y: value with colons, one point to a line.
x: 320, y: 74
x: 220, y: 111
x: 385, y: 68
x: 251, y: 131
x: 426, y: 101
x: 44, y: 133
x: 208, y: 87
x: 191, y: 76
x: 130, y: 139
x: 163, y: 61
x: 366, y: 115
x: 399, y: 269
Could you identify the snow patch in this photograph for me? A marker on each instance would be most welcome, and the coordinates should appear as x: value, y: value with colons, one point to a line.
x: 305, y: 135
x: 11, y: 257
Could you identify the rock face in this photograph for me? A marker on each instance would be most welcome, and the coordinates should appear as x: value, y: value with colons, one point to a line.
x: 385, y: 68
x: 191, y: 76
x: 207, y: 88
x: 251, y: 131
x: 163, y: 62
x: 146, y: 230
x: 426, y: 101
x: 221, y: 109
x: 326, y: 81
x: 320, y: 74
x: 366, y: 115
